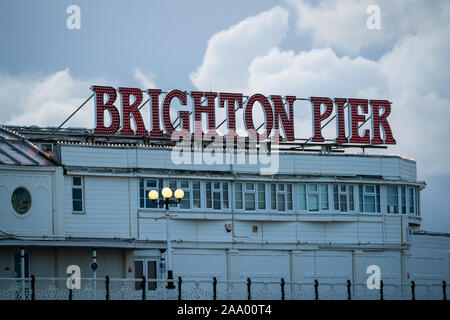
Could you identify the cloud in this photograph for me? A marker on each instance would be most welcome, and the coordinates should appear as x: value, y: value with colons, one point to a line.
x: 309, y: 72
x: 411, y: 72
x: 48, y: 101
x: 146, y: 81
x: 229, y: 52
x: 342, y: 25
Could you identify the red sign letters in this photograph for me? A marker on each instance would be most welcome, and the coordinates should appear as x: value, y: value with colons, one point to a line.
x: 276, y: 116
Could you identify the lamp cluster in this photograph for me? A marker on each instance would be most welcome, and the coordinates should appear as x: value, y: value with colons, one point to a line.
x: 166, y: 193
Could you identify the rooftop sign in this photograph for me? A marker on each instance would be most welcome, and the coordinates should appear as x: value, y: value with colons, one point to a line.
x: 277, y: 117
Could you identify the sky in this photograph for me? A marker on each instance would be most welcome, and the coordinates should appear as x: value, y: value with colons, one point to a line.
x: 291, y: 47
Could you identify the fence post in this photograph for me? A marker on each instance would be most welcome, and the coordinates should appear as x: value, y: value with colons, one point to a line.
x: 349, y: 290
x: 107, y: 287
x: 282, y: 288
x: 143, y: 287
x: 33, y: 280
x: 249, y: 291
x: 413, y: 290
x: 214, y: 288
x: 316, y: 289
x: 180, y: 281
x: 381, y: 289
x: 444, y: 290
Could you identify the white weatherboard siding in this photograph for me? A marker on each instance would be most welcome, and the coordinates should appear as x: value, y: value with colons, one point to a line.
x: 393, y: 229
x: 201, y: 266
x: 106, y: 208
x: 430, y: 258
x: 38, y: 221
x: 289, y: 163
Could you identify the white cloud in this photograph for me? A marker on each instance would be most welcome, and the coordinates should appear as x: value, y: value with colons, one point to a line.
x: 146, y: 81
x: 48, y: 101
x: 341, y: 25
x: 412, y: 72
x: 419, y: 63
x: 229, y: 52
x: 309, y: 72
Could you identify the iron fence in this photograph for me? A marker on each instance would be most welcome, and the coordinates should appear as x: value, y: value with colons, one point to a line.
x: 47, y: 288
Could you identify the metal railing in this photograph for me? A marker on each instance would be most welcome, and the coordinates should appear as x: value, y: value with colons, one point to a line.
x: 47, y: 288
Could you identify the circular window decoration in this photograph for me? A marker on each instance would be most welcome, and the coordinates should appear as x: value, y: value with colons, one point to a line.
x: 21, y: 200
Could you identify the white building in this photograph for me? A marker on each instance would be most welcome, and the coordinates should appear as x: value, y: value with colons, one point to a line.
x: 324, y: 216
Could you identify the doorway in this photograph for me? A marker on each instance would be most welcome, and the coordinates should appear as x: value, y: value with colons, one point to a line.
x: 146, y: 267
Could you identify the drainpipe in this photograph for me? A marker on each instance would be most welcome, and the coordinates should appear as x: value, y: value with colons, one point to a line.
x: 22, y: 271
x: 94, y: 259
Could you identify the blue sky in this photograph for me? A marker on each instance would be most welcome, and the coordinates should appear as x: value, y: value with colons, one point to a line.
x: 166, y: 38
x: 303, y: 48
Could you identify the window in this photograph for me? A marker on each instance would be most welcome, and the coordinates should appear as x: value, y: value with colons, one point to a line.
x: 281, y: 196
x: 77, y: 194
x: 250, y: 196
x: 196, y: 195
x: 21, y: 200
x: 403, y: 189
x: 217, y: 195
x: 238, y: 202
x: 184, y: 185
x: 313, y: 197
x: 173, y: 185
x: 145, y: 186
x: 411, y: 200
x: 47, y: 147
x: 317, y: 197
x: 392, y: 199
x: 343, y: 197
x: 417, y: 202
x: 324, y: 197
x: 369, y: 198
x: 302, y: 197
x: 261, y: 196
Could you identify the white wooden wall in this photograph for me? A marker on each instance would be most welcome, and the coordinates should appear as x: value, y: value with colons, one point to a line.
x: 116, y: 157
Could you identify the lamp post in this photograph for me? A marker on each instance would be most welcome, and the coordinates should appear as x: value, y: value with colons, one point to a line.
x: 167, y: 195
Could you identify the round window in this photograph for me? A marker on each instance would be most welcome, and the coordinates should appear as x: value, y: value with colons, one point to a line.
x: 21, y: 200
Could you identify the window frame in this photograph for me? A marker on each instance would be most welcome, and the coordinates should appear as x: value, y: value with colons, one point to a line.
x: 349, y: 195
x: 160, y: 184
x: 281, y: 192
x: 398, y: 196
x: 189, y: 190
x: 376, y: 194
x: 78, y: 187
x: 256, y: 192
x: 304, y: 192
x: 221, y: 192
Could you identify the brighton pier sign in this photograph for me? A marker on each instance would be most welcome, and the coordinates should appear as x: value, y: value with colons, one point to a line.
x: 276, y: 117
